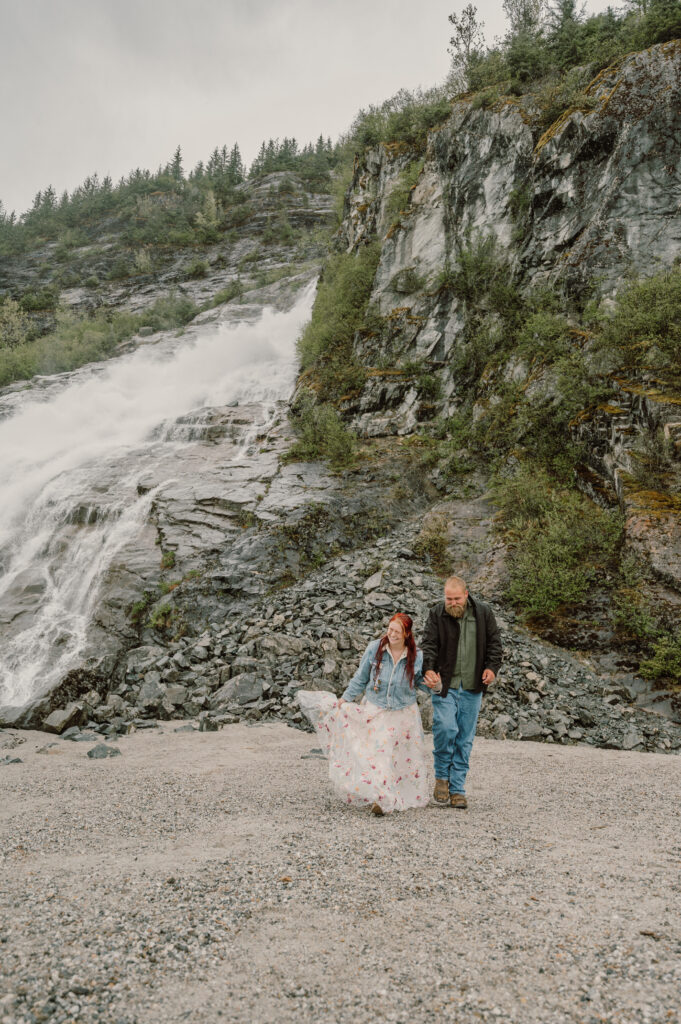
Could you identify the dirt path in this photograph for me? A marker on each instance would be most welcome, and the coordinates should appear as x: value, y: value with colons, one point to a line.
x: 212, y: 877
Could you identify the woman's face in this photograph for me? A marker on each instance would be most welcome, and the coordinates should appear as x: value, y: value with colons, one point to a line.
x: 395, y: 632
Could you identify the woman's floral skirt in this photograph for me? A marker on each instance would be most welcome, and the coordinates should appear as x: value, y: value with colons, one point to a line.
x: 375, y: 755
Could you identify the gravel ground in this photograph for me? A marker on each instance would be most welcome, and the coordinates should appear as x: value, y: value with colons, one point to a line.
x: 213, y: 877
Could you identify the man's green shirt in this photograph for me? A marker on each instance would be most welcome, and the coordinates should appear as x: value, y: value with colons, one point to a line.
x: 464, y: 669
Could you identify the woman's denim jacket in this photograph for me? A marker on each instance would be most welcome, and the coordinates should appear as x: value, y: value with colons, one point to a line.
x: 393, y: 690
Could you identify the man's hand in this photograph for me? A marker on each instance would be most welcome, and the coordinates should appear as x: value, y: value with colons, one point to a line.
x: 432, y: 679
x: 488, y: 677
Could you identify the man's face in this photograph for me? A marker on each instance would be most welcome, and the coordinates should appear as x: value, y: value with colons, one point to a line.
x: 455, y: 601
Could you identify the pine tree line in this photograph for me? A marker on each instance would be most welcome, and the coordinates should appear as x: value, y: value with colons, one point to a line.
x: 142, y: 199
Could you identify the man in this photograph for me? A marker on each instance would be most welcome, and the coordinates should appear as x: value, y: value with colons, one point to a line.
x: 462, y: 652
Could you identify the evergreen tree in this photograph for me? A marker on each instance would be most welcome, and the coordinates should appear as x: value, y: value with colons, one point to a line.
x: 237, y: 171
x: 174, y: 168
x: 465, y: 45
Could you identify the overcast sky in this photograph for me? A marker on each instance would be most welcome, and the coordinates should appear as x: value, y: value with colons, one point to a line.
x: 109, y: 85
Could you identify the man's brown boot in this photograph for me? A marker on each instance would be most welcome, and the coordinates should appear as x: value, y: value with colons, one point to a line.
x: 459, y: 801
x: 441, y: 791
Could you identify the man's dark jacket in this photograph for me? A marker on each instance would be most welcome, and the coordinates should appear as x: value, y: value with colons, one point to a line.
x: 441, y: 640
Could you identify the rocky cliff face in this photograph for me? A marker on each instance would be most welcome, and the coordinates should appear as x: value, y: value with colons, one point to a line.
x: 579, y: 207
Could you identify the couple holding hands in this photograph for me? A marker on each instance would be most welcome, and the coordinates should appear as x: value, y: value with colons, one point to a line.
x: 376, y: 749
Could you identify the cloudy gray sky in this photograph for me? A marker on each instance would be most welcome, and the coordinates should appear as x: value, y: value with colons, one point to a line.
x: 109, y: 85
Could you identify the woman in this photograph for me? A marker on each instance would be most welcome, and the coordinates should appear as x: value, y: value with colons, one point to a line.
x: 376, y: 749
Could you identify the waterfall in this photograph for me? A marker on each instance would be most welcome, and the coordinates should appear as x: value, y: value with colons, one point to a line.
x: 72, y: 449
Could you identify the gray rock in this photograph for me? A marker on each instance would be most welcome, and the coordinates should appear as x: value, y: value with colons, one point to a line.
x: 374, y: 582
x: 62, y: 718
x: 175, y: 694
x: 530, y: 731
x: 280, y: 645
x: 142, y: 658
x: 71, y: 733
x: 101, y: 751
x: 243, y: 688
x: 502, y: 726
x: 151, y: 694
x: 631, y: 739
x: 82, y: 736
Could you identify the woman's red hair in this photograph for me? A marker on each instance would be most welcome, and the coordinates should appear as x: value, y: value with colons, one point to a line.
x: 409, y: 642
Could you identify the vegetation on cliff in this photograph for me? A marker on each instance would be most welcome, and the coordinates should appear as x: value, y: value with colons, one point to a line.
x: 76, y: 340
x: 549, y: 41
x: 549, y: 54
x: 167, y: 207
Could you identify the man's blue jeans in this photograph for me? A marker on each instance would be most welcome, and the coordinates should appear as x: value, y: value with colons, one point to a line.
x: 454, y: 720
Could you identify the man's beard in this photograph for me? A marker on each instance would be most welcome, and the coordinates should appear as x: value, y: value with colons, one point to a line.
x: 455, y: 610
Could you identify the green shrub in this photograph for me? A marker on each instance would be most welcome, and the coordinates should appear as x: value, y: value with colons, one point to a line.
x: 170, y: 311
x: 163, y: 617
x: 407, y: 281
x: 341, y: 183
x: 321, y: 434
x: 486, y: 98
x: 168, y: 560
x: 555, y: 96
x: 120, y: 269
x: 559, y: 541
x: 137, y: 613
x: 251, y: 257
x: 279, y: 231
x: 653, y: 460
x: 406, y: 117
x: 400, y: 193
x: 197, y: 268
x: 143, y: 262
x: 40, y: 299
x: 665, y: 660
x: 544, y: 335
x: 14, y: 324
x: 645, y: 328
x: 481, y: 275
x: 325, y: 345
x: 234, y: 290
x: 67, y: 278
x: 431, y: 544
x: 429, y: 386
x: 77, y: 340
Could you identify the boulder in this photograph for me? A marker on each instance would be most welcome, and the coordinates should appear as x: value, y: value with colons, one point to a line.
x: 374, y: 582
x: 62, y: 718
x: 176, y: 694
x: 151, y: 694
x: 142, y: 658
x: 280, y: 645
x: 243, y: 689
x: 101, y: 751
x: 502, y: 726
x: 632, y: 739
x: 530, y: 731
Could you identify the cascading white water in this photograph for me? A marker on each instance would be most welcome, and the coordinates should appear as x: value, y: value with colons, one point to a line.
x: 92, y: 429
